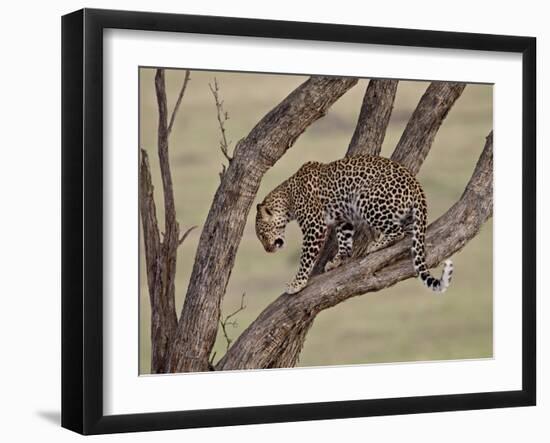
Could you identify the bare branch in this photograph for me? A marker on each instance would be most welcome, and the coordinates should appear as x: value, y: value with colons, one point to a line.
x: 170, y: 224
x: 374, y: 117
x: 223, y: 116
x: 225, y: 322
x: 163, y: 312
x: 178, y: 101
x: 148, y: 213
x: 222, y: 232
x: 185, y: 234
x: 283, y: 322
x: 161, y: 254
x: 418, y: 137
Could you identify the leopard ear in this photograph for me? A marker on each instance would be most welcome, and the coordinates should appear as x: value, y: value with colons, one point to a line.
x: 264, y: 210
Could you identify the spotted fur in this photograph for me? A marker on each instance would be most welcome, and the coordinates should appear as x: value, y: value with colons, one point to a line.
x: 341, y: 194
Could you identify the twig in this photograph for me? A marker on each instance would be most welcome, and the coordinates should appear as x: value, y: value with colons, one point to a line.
x: 178, y: 101
x: 223, y: 116
x: 225, y: 323
x: 185, y: 234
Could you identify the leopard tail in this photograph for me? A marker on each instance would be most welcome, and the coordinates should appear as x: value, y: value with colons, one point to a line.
x: 419, y: 256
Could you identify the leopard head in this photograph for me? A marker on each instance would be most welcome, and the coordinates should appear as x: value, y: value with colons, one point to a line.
x: 271, y: 220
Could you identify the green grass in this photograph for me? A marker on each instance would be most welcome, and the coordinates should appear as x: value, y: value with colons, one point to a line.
x: 402, y: 323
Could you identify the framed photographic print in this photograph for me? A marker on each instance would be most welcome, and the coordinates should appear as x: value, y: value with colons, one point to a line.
x: 271, y: 221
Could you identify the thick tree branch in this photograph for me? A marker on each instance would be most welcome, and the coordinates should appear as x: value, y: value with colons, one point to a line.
x: 282, y: 324
x: 374, y: 118
x: 418, y: 137
x: 224, y: 226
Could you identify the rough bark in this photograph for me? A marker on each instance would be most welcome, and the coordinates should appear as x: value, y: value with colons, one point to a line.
x: 374, y: 117
x: 418, y: 136
x: 280, y: 326
x: 163, y: 313
x: 160, y: 254
x: 222, y: 232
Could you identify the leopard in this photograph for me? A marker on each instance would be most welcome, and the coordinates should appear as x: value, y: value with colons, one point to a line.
x: 340, y: 195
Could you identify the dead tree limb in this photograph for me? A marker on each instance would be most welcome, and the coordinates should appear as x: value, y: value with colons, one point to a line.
x: 275, y: 338
x: 418, y: 136
x: 178, y: 101
x: 222, y: 116
x: 374, y: 117
x: 227, y: 321
x: 163, y: 313
x: 161, y: 253
x: 222, y: 232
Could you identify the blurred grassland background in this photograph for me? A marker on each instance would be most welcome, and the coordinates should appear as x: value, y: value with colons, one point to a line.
x: 402, y: 323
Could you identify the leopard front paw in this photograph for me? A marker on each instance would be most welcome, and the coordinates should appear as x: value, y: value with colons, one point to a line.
x: 295, y: 286
x: 334, y: 263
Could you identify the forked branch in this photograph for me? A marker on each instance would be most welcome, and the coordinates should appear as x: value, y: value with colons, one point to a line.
x: 161, y: 251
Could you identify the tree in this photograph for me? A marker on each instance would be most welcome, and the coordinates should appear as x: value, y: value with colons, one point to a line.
x: 276, y: 337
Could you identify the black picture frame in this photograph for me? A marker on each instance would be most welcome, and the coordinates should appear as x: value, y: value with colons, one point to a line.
x: 82, y: 220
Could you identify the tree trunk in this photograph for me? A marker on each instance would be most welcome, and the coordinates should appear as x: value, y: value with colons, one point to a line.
x: 222, y: 232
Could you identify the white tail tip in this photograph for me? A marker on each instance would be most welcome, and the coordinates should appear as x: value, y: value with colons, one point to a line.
x: 446, y: 276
